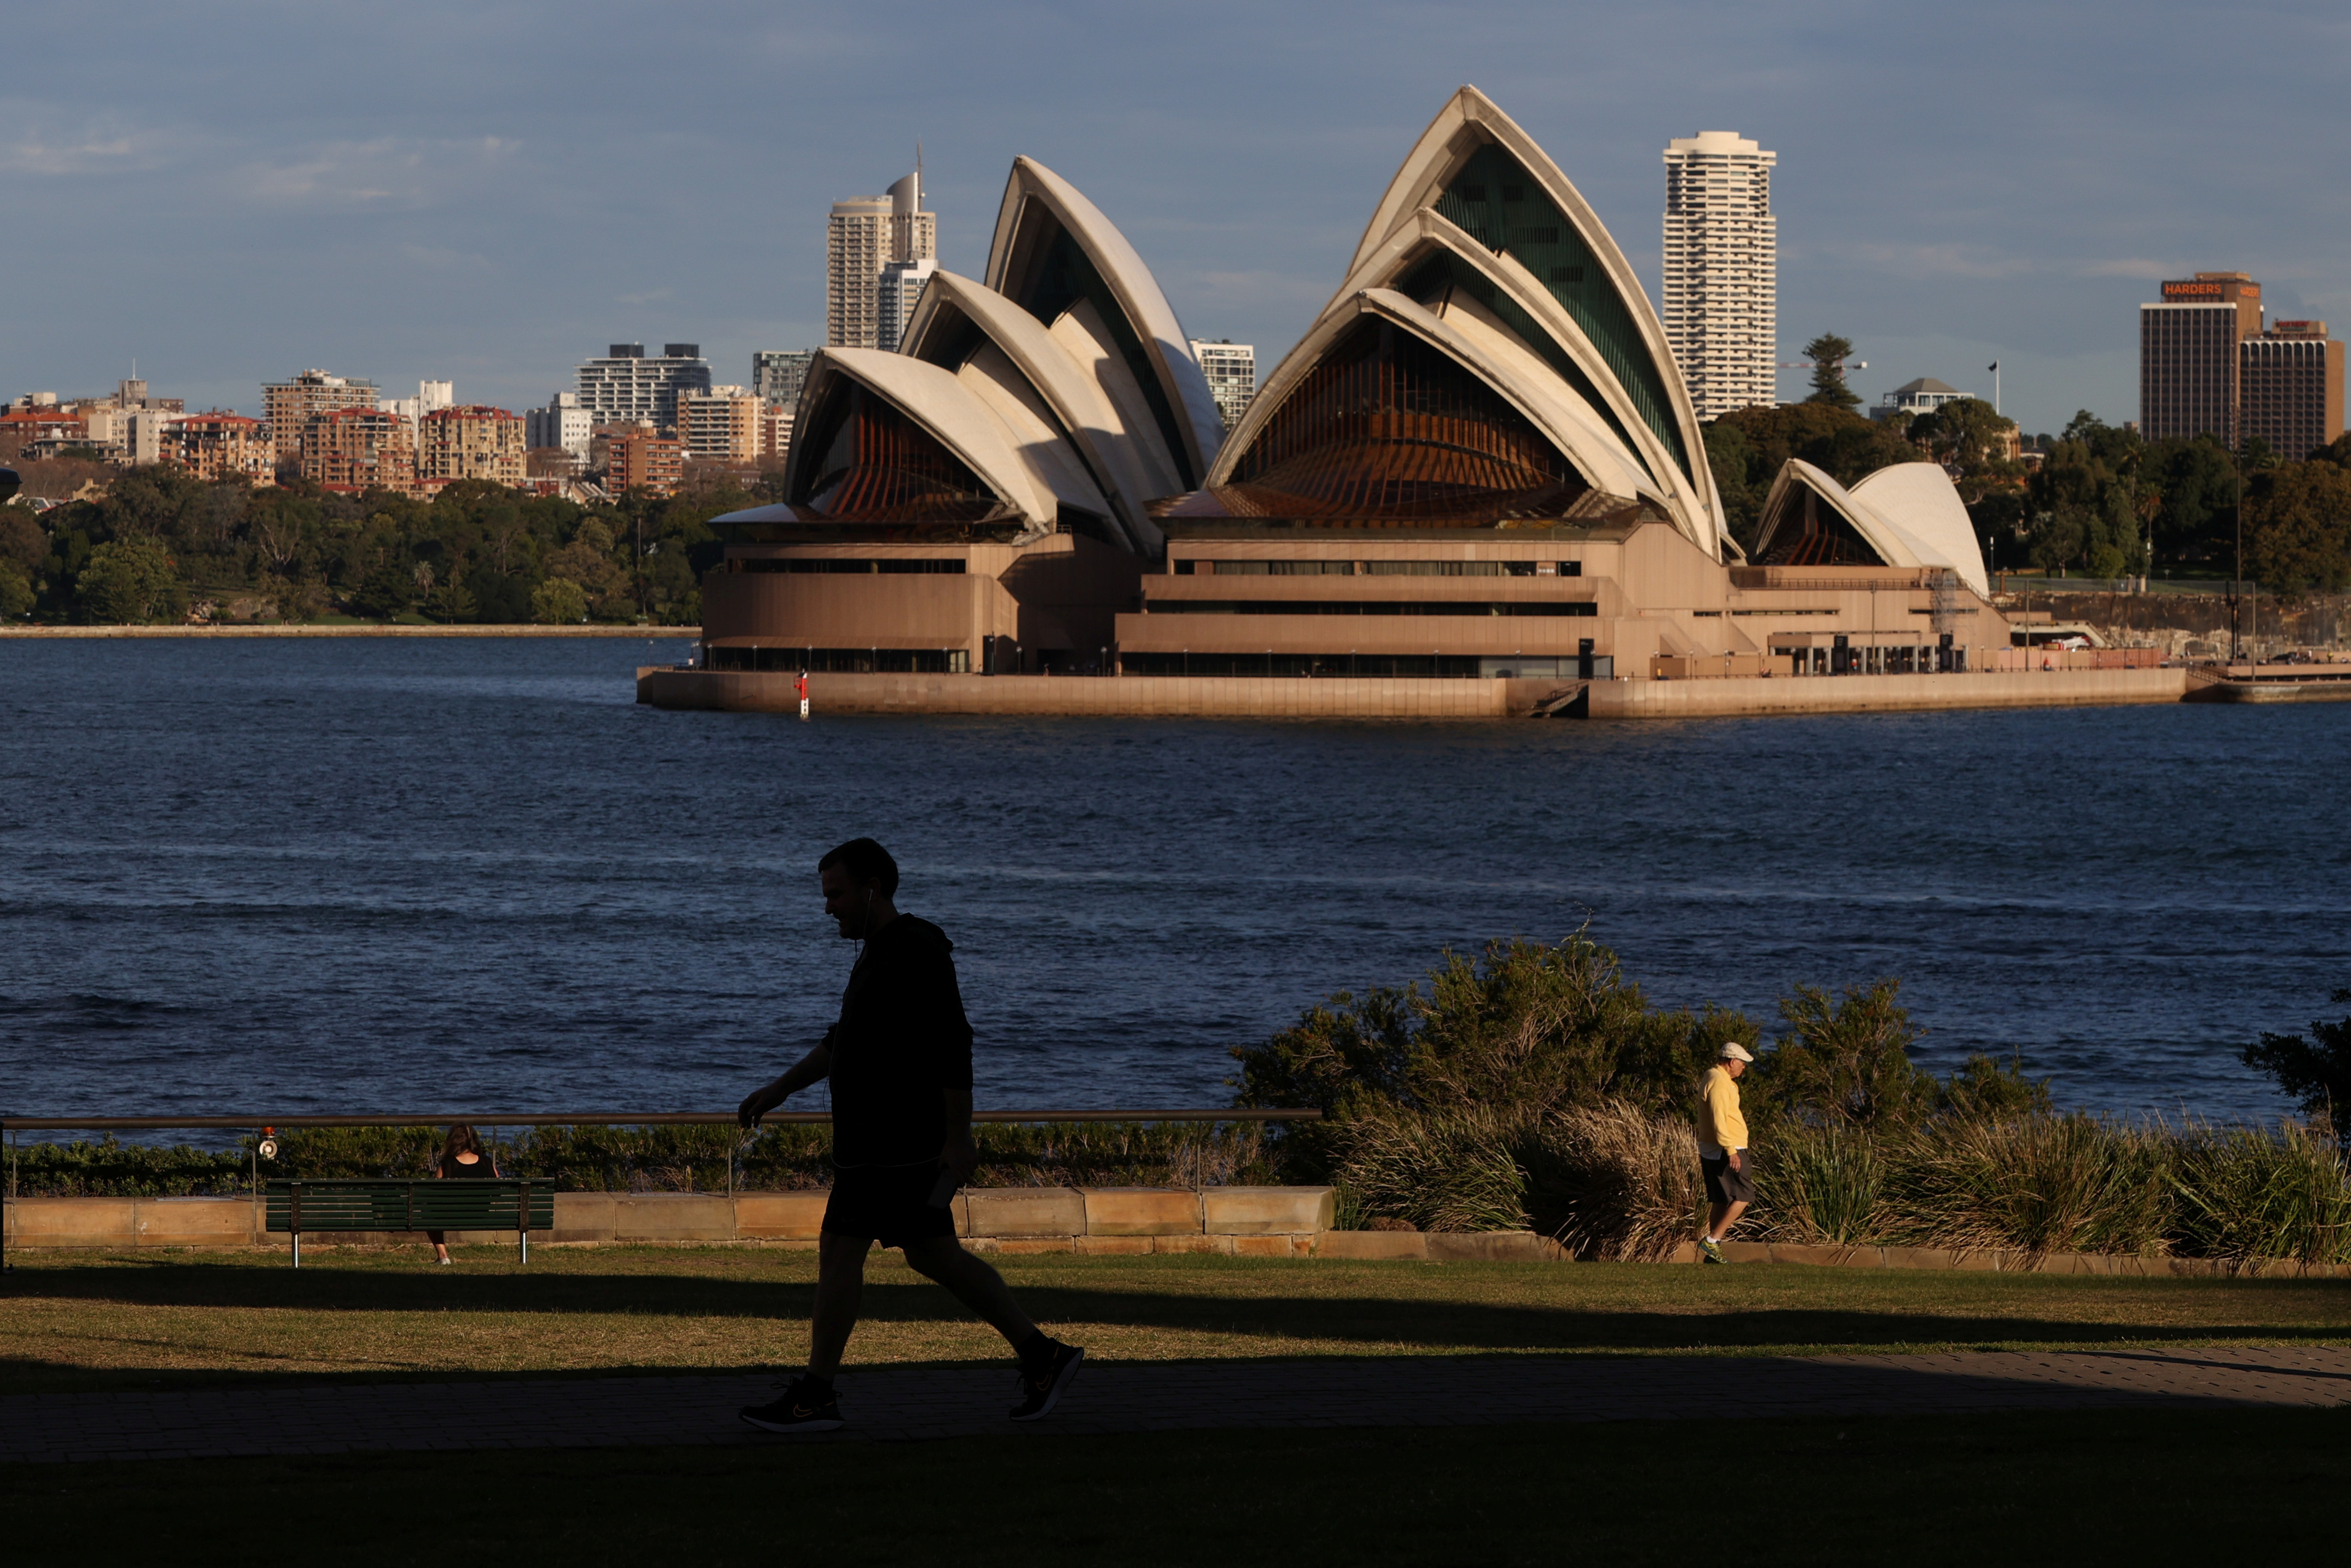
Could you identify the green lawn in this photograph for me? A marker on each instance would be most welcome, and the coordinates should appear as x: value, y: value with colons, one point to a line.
x: 2090, y: 1487
x: 140, y: 1320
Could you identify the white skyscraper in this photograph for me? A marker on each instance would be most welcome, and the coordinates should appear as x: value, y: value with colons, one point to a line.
x: 1722, y: 270
x: 900, y: 285
x: 1231, y: 371
x: 865, y: 236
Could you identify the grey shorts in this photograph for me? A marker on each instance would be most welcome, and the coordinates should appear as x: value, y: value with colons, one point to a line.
x: 1724, y: 1184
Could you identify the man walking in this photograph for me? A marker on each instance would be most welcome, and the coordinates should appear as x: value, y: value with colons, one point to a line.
x: 1722, y: 1150
x: 899, y: 1061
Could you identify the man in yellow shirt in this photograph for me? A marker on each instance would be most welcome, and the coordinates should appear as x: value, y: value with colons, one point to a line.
x: 1722, y: 1150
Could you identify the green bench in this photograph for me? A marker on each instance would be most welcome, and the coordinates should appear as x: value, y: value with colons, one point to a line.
x: 463, y: 1204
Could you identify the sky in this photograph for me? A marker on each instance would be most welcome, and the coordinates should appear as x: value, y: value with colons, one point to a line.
x: 490, y: 193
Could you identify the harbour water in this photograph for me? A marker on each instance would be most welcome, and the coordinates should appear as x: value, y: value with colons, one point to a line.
x: 359, y: 875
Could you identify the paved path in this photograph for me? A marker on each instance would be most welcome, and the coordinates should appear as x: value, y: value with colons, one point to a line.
x: 1114, y: 1396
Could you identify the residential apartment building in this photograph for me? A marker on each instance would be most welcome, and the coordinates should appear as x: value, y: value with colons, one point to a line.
x: 894, y: 294
x: 642, y: 460
x: 288, y: 407
x: 1231, y: 371
x: 563, y: 424
x: 470, y: 441
x: 775, y: 431
x: 218, y: 445
x: 2189, y: 355
x: 1721, y: 303
x: 2290, y: 389
x: 864, y: 236
x: 777, y: 374
x: 626, y: 385
x: 720, y: 425
x: 357, y: 448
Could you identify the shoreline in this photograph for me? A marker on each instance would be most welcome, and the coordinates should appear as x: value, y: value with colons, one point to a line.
x: 304, y: 629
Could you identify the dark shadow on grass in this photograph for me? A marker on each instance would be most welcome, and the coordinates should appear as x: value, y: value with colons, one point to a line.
x: 1381, y: 1323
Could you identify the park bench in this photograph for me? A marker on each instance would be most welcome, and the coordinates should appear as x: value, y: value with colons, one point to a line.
x: 472, y: 1204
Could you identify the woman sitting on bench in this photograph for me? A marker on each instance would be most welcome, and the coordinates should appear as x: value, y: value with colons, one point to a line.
x: 461, y: 1156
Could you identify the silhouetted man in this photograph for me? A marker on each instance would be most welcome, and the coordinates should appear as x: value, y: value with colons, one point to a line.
x: 899, y: 1063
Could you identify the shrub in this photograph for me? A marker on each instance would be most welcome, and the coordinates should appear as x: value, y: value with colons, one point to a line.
x: 1612, y: 1181
x: 1439, y: 1170
x: 2247, y: 1194
x: 1825, y: 1185
x: 2316, y: 1072
x: 1531, y: 1027
x: 1846, y: 1062
x: 2033, y: 1184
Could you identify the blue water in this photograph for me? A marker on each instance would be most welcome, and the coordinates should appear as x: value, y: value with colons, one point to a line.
x: 380, y: 875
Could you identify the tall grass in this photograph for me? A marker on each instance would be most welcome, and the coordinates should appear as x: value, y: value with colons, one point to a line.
x: 1614, y: 1181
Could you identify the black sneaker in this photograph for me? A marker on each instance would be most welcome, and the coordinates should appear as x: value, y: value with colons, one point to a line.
x: 807, y: 1406
x: 1042, y: 1388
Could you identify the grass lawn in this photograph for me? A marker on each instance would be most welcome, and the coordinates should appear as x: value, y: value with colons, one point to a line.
x: 2088, y: 1487
x: 135, y: 1319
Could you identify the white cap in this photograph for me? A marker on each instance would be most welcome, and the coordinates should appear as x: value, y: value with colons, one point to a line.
x: 1735, y: 1052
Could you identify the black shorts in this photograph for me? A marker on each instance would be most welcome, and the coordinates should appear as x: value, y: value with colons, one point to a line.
x: 889, y: 1203
x: 1724, y: 1184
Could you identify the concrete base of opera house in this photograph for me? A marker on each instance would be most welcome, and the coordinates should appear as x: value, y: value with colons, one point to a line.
x: 1357, y: 697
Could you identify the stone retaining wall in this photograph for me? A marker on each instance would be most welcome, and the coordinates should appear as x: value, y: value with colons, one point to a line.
x: 1247, y: 1221
x: 1237, y: 1222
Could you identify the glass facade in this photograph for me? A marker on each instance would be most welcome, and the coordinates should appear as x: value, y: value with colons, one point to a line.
x: 844, y: 661
x: 1495, y: 202
x: 1297, y: 664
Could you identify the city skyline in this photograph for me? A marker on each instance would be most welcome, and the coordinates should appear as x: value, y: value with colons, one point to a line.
x: 480, y: 219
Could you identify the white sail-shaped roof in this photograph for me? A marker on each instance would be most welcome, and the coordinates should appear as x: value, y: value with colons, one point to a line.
x: 968, y: 328
x: 1097, y: 294
x: 1477, y: 167
x: 1908, y: 514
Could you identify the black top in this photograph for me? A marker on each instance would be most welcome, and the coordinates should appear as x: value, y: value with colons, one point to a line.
x: 485, y: 1167
x: 902, y: 1043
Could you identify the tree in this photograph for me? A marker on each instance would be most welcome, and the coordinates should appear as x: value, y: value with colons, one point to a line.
x: 1828, y: 353
x: 559, y: 601
x: 130, y: 583
x: 1970, y: 440
x: 17, y: 597
x: 2298, y: 528
x: 390, y: 588
x: 2316, y: 1072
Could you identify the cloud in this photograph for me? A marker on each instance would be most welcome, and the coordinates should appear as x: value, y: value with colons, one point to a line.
x: 1942, y: 261
x: 403, y: 172
x: 93, y: 155
x: 2131, y: 267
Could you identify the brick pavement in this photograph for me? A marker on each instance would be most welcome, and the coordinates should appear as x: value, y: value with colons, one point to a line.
x: 907, y: 1404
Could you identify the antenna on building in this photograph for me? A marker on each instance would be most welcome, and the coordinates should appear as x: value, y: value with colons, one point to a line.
x: 918, y: 174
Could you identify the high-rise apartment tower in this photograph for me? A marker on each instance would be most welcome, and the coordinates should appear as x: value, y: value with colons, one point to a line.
x: 2189, y: 355
x: 1231, y: 372
x: 1722, y: 270
x: 626, y: 385
x: 865, y: 236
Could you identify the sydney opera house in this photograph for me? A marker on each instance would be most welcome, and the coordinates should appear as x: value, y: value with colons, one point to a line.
x: 1479, y: 461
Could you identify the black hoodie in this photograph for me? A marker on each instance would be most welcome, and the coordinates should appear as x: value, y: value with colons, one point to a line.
x: 902, y: 1043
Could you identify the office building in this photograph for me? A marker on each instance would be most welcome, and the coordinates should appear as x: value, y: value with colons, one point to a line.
x: 358, y: 447
x: 777, y: 374
x: 2290, y: 389
x: 1231, y: 372
x: 626, y: 385
x: 1721, y: 294
x: 721, y: 425
x: 470, y: 441
x: 866, y: 233
x: 2190, y: 358
x: 895, y: 295
x: 288, y: 407
x: 563, y: 424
